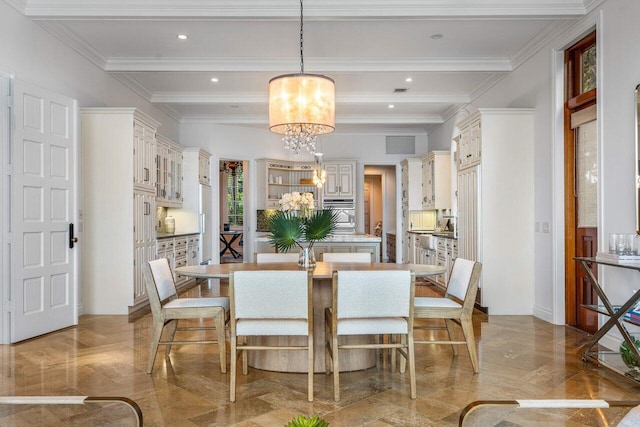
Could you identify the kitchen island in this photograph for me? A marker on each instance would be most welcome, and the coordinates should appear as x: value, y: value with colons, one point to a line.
x: 335, y: 243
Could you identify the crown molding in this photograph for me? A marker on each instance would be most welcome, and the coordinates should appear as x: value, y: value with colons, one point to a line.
x: 262, y: 98
x: 278, y: 9
x: 343, y: 128
x: 141, y: 91
x: 71, y: 39
x: 416, y: 119
x: 591, y: 5
x: 123, y: 65
x: 19, y: 5
x: 541, y: 40
x: 488, y: 83
x: 134, y: 85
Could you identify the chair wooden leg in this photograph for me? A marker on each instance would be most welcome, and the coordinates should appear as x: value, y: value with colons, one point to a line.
x: 328, y: 351
x: 412, y: 365
x: 172, y: 325
x: 222, y: 344
x: 310, y: 367
x: 245, y: 363
x: 234, y: 361
x: 336, y: 368
x: 452, y: 333
x: 394, y: 352
x: 156, y: 333
x: 403, y: 360
x: 467, y: 329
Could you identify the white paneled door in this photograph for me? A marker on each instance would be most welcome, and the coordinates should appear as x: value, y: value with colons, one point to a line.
x: 43, y: 194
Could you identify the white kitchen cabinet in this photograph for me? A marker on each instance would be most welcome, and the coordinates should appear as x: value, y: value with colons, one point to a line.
x: 118, y: 213
x: 204, y: 168
x: 341, y: 178
x: 436, y: 180
x: 144, y: 146
x: 180, y: 251
x: 144, y: 239
x: 276, y: 177
x: 411, y: 171
x: 496, y: 208
x: 193, y: 250
x: 470, y: 144
x: 197, y: 196
x: 411, y: 197
x: 169, y: 173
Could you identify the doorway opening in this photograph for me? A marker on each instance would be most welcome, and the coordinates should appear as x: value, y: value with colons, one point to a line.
x: 380, y: 207
x: 231, y: 210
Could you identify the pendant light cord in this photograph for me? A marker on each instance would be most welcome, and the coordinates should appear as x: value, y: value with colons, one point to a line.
x: 301, y: 41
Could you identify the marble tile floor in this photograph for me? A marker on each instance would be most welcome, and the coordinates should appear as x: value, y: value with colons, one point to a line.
x: 520, y: 358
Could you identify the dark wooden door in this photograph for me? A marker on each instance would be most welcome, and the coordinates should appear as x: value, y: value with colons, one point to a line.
x: 587, y: 244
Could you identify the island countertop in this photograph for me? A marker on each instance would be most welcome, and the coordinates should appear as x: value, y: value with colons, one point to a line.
x: 338, y: 238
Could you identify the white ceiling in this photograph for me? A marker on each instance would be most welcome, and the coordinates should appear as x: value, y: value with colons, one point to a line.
x: 369, y: 47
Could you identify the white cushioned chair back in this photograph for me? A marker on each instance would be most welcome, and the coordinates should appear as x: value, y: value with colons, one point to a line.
x: 460, y: 278
x: 163, y: 278
x: 271, y: 294
x: 367, y: 294
x: 277, y: 257
x: 346, y: 257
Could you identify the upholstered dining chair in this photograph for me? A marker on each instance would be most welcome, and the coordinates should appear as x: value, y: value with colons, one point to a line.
x: 346, y: 257
x: 370, y: 303
x: 276, y: 257
x: 455, y: 307
x: 167, y: 309
x: 270, y: 303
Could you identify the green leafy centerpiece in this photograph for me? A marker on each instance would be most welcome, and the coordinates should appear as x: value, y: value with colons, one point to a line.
x: 299, y: 224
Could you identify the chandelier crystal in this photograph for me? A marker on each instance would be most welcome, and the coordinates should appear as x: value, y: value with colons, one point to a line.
x: 301, y: 106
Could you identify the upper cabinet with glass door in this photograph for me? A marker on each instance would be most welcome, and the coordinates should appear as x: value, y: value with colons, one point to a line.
x: 168, y: 173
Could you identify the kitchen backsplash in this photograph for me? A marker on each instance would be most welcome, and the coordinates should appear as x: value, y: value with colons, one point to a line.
x: 186, y: 221
x: 262, y: 216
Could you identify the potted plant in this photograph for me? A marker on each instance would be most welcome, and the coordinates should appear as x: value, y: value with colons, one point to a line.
x: 299, y: 225
x: 302, y: 421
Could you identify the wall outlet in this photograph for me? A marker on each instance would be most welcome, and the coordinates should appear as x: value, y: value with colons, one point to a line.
x: 546, y: 227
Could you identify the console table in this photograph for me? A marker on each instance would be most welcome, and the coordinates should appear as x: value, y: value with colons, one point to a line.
x: 610, y: 359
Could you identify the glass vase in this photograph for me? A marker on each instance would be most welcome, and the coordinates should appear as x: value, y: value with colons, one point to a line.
x: 307, y: 258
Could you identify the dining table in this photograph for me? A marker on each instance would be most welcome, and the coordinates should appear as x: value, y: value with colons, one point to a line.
x: 296, y: 361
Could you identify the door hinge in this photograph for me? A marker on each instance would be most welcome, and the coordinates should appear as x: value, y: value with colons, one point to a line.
x: 8, y: 306
x: 10, y: 101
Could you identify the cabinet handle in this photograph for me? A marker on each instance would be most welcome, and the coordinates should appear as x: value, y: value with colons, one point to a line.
x: 146, y: 174
x: 147, y: 208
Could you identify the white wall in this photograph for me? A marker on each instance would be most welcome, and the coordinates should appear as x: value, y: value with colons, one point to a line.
x: 532, y: 85
x: 33, y: 55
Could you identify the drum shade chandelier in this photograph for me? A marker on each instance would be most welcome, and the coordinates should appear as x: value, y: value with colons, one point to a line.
x: 301, y: 106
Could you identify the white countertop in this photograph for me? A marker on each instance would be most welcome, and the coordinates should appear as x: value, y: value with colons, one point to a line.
x: 335, y: 238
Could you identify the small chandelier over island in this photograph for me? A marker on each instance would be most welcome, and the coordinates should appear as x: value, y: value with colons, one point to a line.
x: 301, y: 106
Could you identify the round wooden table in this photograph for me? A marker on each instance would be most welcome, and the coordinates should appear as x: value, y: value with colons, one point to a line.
x: 296, y: 361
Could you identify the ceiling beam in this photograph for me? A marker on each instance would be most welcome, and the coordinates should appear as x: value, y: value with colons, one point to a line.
x: 345, y: 98
x: 123, y: 65
x: 279, y: 9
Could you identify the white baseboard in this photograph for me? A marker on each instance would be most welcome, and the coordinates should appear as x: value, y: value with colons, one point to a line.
x: 543, y: 313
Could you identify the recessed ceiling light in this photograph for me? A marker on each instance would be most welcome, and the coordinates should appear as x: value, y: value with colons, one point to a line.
x: 391, y: 106
x: 437, y: 36
x: 408, y: 80
x: 214, y: 79
x: 183, y: 36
